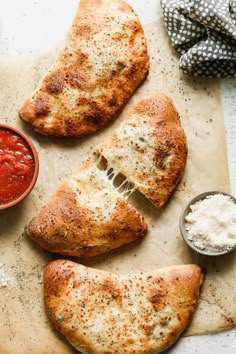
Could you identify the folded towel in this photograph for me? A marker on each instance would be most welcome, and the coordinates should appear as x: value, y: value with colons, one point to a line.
x: 204, y: 33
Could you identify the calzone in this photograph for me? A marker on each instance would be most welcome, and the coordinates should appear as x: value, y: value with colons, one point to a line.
x: 100, y: 312
x: 103, y: 61
x: 149, y: 148
x: 86, y: 217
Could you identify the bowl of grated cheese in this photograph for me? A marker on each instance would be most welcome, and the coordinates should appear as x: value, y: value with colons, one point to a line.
x: 208, y: 223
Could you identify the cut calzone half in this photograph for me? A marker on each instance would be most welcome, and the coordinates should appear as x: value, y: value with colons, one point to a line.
x: 100, y: 312
x: 86, y: 217
x: 149, y: 148
x: 103, y: 61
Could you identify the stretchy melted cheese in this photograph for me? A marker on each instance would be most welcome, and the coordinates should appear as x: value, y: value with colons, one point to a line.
x: 149, y: 148
x: 86, y: 217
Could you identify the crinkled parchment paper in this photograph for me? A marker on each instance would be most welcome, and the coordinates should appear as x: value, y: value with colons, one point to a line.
x: 24, y: 327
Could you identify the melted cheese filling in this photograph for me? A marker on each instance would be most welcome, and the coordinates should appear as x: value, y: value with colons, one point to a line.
x: 125, y: 188
x: 95, y: 190
x: 131, y: 151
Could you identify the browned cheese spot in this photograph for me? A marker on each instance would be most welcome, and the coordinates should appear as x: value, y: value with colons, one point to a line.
x: 76, y: 79
x: 41, y: 107
x: 95, y: 119
x: 162, y: 154
x: 55, y: 83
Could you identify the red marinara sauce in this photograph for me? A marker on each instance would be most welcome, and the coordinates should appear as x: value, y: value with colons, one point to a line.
x: 16, y: 166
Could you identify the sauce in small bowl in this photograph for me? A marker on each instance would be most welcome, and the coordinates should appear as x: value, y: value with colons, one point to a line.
x: 18, y: 166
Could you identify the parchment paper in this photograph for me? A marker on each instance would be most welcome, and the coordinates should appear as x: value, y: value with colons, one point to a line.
x: 24, y: 327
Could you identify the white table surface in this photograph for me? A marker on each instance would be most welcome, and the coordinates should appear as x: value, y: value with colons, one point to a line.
x: 31, y: 26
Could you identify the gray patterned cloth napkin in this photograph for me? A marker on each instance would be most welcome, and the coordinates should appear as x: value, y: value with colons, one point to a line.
x: 204, y: 33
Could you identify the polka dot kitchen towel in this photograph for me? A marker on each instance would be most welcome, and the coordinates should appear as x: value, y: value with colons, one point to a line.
x: 204, y: 33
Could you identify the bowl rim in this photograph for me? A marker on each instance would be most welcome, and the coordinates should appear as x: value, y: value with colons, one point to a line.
x: 183, y: 231
x: 36, y: 166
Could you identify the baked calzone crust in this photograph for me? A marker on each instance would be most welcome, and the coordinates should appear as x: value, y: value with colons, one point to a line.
x: 86, y: 217
x: 100, y: 312
x: 149, y: 148
x: 103, y: 61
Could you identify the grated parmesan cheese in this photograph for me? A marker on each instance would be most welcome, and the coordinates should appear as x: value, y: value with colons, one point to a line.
x: 211, y: 223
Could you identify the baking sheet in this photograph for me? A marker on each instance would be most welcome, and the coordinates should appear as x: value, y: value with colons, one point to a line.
x: 24, y: 327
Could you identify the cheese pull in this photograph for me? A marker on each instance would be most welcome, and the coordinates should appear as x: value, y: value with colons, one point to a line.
x: 149, y: 148
x: 89, y: 215
x: 86, y: 217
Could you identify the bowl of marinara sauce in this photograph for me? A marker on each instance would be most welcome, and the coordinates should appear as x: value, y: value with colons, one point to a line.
x: 19, y: 166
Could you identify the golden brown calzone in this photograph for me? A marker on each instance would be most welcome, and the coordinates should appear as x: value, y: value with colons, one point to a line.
x: 103, y: 61
x: 86, y: 217
x: 100, y: 312
x: 149, y: 148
